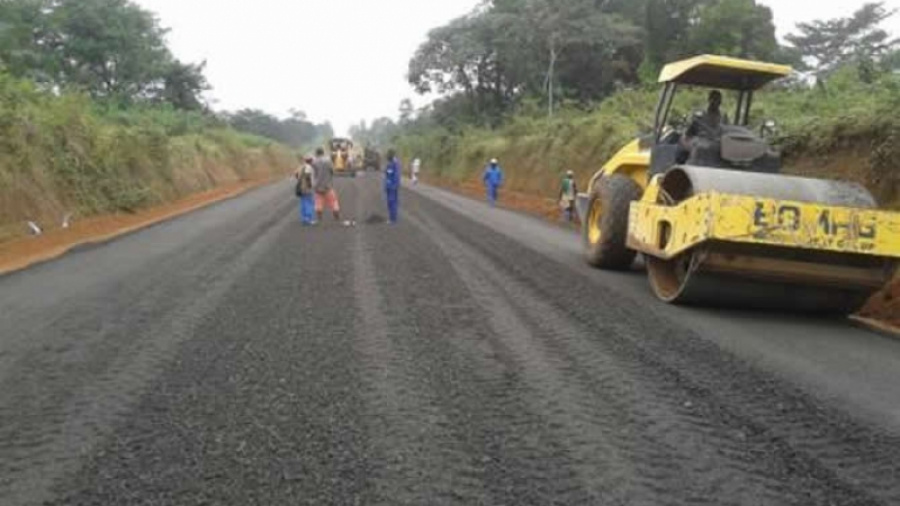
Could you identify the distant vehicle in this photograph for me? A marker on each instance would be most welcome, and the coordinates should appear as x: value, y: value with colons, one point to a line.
x: 341, y: 156
x: 371, y: 159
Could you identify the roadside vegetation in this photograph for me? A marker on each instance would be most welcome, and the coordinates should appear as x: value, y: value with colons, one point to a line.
x: 98, y: 116
x: 547, y: 86
x: 849, y: 130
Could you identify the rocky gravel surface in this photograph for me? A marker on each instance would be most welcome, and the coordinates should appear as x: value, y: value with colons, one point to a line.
x: 233, y: 357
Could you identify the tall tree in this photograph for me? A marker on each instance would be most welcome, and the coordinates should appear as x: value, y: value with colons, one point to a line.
x: 507, y: 49
x: 295, y: 131
x: 183, y: 86
x: 580, y: 31
x: 463, y: 57
x: 676, y: 29
x: 667, y: 32
x: 381, y: 133
x: 741, y: 28
x: 827, y: 45
x: 112, y: 49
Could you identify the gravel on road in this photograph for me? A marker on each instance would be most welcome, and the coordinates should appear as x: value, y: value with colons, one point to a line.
x: 233, y: 356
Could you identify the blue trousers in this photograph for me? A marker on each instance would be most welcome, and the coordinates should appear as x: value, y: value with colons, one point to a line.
x: 493, y: 192
x: 393, y: 203
x: 307, y: 209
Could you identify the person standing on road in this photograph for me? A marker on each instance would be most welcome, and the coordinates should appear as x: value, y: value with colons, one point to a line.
x: 416, y: 166
x: 493, y: 180
x: 323, y: 173
x: 306, y: 191
x: 392, y: 174
x: 567, y: 192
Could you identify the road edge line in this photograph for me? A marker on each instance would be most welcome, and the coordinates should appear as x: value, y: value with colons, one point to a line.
x: 58, y: 252
x: 876, y: 326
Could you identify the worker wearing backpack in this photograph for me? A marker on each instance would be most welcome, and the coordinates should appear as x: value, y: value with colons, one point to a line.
x: 305, y: 190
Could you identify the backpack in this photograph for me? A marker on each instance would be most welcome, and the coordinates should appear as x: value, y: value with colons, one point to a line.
x: 299, y: 189
x: 304, y: 184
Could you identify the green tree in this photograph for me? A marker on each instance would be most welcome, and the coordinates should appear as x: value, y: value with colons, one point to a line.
x: 295, y: 131
x: 509, y: 49
x: 741, y: 28
x: 827, y: 45
x: 667, y: 32
x: 463, y: 57
x: 25, y: 29
x: 183, y: 86
x: 580, y: 32
x: 112, y: 49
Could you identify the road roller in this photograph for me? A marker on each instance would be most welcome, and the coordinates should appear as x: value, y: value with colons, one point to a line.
x: 716, y: 221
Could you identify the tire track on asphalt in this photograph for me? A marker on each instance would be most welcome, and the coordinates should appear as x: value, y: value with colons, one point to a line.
x: 262, y: 405
x: 820, y: 455
x: 419, y: 458
x: 596, y: 414
x: 59, y: 404
x: 508, y: 445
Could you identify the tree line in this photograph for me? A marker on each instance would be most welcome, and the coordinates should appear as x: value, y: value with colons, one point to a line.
x: 510, y: 54
x: 116, y: 52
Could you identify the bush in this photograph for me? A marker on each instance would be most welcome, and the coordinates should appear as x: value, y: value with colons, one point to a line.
x: 64, y: 154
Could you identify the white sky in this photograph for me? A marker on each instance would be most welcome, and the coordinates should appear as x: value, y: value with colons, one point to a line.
x: 343, y: 60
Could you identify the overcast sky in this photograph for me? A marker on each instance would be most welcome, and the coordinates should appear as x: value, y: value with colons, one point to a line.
x: 342, y: 60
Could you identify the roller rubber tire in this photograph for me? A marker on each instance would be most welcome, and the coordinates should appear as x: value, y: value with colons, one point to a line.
x: 615, y: 194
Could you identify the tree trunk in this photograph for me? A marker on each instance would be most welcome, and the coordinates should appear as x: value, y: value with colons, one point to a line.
x: 550, y: 78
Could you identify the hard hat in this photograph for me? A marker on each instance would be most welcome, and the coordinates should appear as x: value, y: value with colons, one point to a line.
x: 494, y: 161
x: 570, y: 173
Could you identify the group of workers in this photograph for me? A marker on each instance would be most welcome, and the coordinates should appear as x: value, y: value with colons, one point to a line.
x: 315, y: 177
x: 315, y: 187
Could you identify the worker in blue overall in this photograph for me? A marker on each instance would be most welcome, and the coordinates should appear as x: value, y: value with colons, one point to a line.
x: 392, y: 174
x: 493, y: 180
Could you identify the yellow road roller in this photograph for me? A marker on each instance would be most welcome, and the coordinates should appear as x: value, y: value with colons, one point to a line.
x: 705, y: 204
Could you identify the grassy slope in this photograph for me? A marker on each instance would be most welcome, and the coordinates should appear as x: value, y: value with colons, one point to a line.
x: 849, y: 131
x: 60, y: 154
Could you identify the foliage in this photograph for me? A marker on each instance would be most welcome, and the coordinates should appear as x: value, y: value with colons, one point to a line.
x: 814, y: 122
x: 831, y: 44
x: 295, y: 131
x: 66, y: 153
x: 527, y: 44
x: 741, y: 28
x: 112, y: 49
x: 505, y: 52
x: 380, y: 134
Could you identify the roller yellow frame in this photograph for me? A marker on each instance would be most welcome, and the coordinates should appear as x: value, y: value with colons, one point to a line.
x: 709, y: 71
x: 667, y: 231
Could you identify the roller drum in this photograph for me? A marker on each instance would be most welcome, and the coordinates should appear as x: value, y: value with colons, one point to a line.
x: 711, y: 274
x: 685, y: 181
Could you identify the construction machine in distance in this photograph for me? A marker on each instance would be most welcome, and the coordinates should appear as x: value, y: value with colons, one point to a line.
x: 717, y: 223
x: 342, y: 157
x: 371, y: 159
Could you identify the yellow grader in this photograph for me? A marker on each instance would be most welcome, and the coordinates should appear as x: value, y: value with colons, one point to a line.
x: 342, y: 157
x: 716, y: 222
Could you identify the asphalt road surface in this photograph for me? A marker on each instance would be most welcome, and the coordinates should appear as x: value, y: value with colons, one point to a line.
x: 464, y: 356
